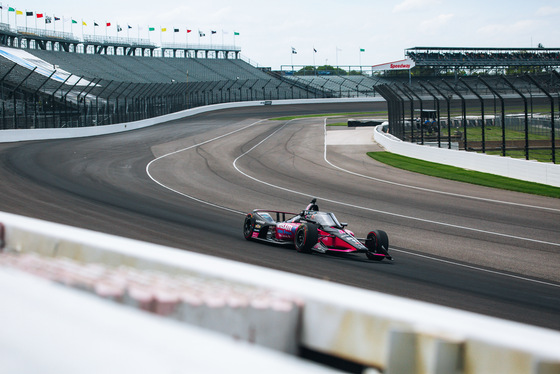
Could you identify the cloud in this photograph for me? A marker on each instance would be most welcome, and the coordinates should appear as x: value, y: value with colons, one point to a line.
x: 547, y: 11
x: 432, y: 24
x: 519, y: 27
x: 414, y: 5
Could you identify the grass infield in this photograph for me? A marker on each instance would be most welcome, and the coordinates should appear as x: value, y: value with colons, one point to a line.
x: 464, y: 175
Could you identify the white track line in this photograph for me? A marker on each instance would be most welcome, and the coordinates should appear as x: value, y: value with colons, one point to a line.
x: 476, y: 268
x: 337, y: 202
x: 186, y: 149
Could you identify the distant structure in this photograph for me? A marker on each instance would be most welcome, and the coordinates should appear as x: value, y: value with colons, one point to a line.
x: 484, y: 60
x: 49, y: 40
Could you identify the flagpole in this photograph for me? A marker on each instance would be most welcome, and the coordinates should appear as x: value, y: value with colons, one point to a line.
x: 314, y: 57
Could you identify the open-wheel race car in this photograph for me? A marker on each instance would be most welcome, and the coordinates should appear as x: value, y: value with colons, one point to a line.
x: 313, y: 231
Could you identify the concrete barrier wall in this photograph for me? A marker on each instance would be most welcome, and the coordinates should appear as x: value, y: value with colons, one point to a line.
x: 76, y: 132
x: 532, y: 171
x: 388, y: 333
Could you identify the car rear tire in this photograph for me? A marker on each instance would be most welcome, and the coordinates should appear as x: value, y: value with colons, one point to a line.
x: 377, y: 243
x: 248, y: 226
x: 306, y: 237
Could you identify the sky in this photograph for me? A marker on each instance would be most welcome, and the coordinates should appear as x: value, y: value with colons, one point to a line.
x: 333, y: 32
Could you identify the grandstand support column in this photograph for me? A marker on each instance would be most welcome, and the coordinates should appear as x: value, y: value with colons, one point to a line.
x: 552, y: 129
x: 14, y: 94
x: 97, y: 96
x: 35, y: 103
x: 78, y: 101
x: 136, y: 101
x: 448, y: 101
x: 52, y: 100
x: 411, y: 91
x: 437, y: 113
x: 503, y: 114
x: 94, y: 85
x: 66, y: 101
x: 481, y: 112
x: 463, y: 111
x: 111, y: 117
x: 512, y: 86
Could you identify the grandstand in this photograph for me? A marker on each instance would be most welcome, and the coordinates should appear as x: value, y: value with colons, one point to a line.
x: 121, y: 79
x: 497, y: 60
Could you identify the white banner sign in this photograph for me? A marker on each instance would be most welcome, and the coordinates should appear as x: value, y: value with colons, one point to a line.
x: 406, y: 64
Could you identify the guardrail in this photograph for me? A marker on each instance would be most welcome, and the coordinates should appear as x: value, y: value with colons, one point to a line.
x: 528, y: 170
x: 388, y: 333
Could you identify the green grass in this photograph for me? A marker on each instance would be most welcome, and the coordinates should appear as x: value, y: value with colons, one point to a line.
x: 464, y: 175
x: 381, y: 112
x: 493, y: 133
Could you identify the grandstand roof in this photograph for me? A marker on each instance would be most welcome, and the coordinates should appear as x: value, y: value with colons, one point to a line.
x: 509, y: 49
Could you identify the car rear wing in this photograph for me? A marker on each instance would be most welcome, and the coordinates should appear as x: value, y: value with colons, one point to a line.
x: 278, y: 215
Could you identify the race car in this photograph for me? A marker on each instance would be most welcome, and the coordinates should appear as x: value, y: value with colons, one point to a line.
x: 313, y: 231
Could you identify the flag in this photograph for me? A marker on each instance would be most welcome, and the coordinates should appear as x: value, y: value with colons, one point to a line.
x: 188, y: 31
x: 108, y: 24
x: 19, y: 12
x: 362, y: 50
x: 48, y: 19
x: 10, y: 9
x: 294, y: 51
x: 84, y: 24
x: 235, y: 33
x: 213, y: 32
x: 314, y: 50
x: 119, y: 28
x: 163, y: 29
x: 175, y: 30
x: 29, y: 14
x: 56, y: 18
x: 95, y: 24
x: 129, y: 26
x: 151, y: 28
x: 39, y: 15
x: 200, y: 33
x: 74, y: 21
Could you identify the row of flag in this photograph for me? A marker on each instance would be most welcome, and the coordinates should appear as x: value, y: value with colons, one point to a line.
x: 49, y: 19
x: 294, y: 51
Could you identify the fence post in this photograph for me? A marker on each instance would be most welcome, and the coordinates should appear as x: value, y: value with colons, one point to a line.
x: 526, y: 114
x: 503, y: 116
x: 552, y: 130
x: 411, y: 91
x: 463, y: 111
x: 481, y: 110
x: 437, y: 113
x: 448, y: 101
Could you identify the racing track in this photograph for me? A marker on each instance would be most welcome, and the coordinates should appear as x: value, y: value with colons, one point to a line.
x: 454, y: 244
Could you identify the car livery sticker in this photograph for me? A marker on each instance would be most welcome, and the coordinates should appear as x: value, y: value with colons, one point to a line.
x: 286, y: 230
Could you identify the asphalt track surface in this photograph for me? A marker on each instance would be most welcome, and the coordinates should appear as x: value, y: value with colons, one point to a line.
x: 188, y: 183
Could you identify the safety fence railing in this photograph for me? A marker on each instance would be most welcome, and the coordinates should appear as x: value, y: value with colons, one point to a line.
x: 505, y: 115
x: 49, y: 99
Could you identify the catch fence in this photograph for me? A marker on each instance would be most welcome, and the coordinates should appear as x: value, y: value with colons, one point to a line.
x: 510, y: 116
